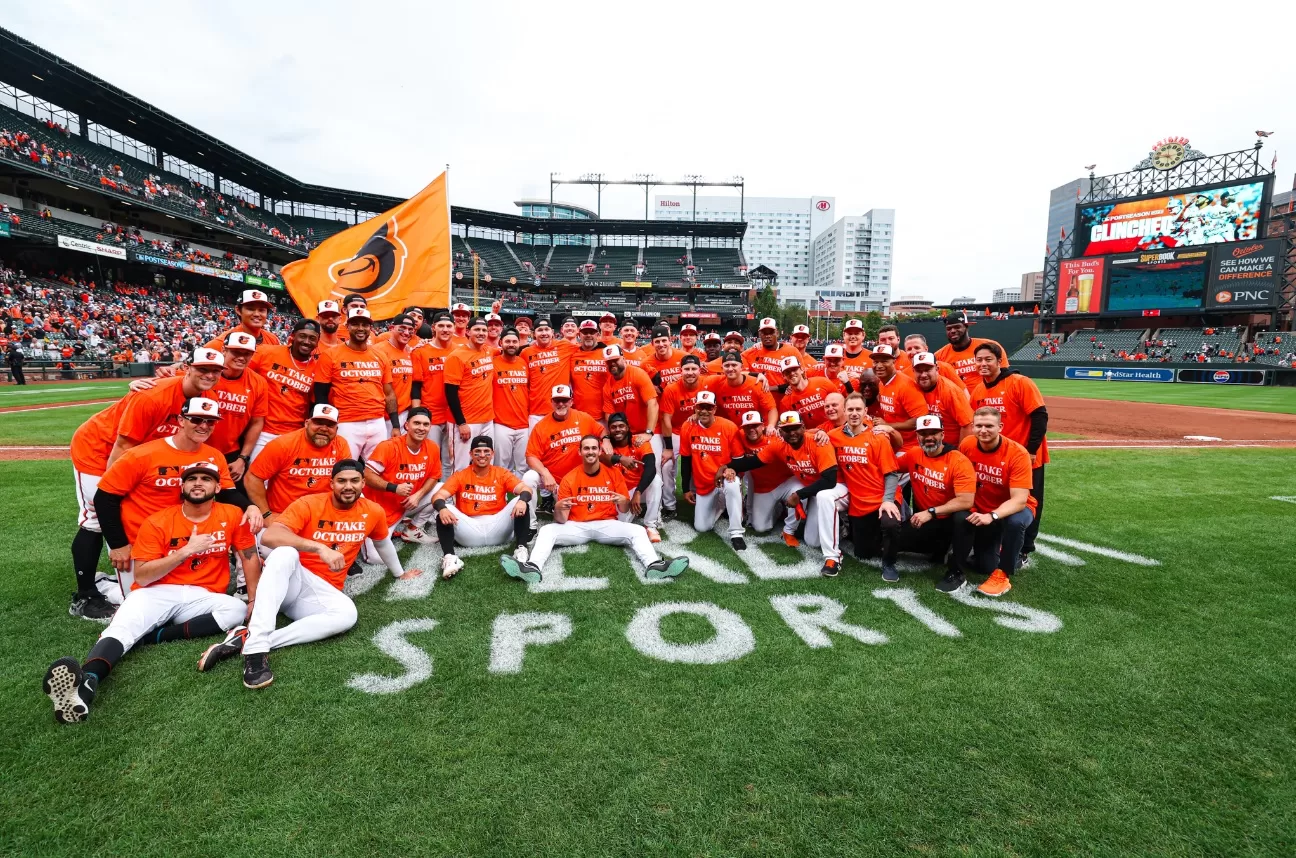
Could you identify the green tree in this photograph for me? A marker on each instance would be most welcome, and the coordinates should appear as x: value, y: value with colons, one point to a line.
x: 872, y: 323
x: 791, y: 316
x: 766, y: 304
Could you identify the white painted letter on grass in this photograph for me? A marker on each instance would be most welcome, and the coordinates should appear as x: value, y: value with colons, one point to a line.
x: 391, y: 640
x: 812, y: 616
x: 1020, y: 618
x: 733, y: 639
x: 907, y: 601
x: 513, y: 633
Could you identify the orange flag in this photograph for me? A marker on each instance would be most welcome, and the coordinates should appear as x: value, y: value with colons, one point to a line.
x: 399, y: 259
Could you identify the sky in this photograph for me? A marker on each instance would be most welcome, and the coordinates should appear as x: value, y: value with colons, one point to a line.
x: 959, y: 116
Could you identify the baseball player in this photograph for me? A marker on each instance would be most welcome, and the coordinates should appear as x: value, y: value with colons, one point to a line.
x: 960, y: 351
x: 181, y: 572
x: 628, y: 390
x: 831, y: 367
x: 767, y: 356
x: 889, y: 335
x: 737, y: 393
x: 805, y: 395
x: 105, y: 438
x: 664, y: 366
x: 570, y: 332
x: 630, y: 351
x: 403, y: 474
x: 867, y: 470
x: 688, y: 339
x: 406, y: 373
x: 548, y: 363
x: 945, y: 398
x: 707, y: 445
x: 525, y: 329
x: 253, y: 309
x: 915, y: 344
x: 810, y: 494
x: 800, y: 340
x: 589, y: 500
x: 712, y: 346
x: 244, y: 398
x: 1002, y: 508
x: 431, y: 357
x: 1025, y: 420
x: 312, y: 543
x: 676, y: 407
x: 481, y: 514
x: 834, y: 414
x: 414, y: 319
x: 460, y: 313
x: 638, y: 466
x: 553, y: 449
x: 855, y: 358
x: 357, y: 380
x: 289, y: 372
x: 469, y: 391
x: 511, y: 402
x: 763, y: 500
x: 607, y: 329
x: 732, y: 342
x: 328, y: 315
x: 900, y: 402
x: 494, y: 330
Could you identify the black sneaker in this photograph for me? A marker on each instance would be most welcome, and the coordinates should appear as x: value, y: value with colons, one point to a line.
x: 668, y: 513
x: 1023, y: 562
x: 664, y: 568
x: 952, y: 582
x: 93, y: 607
x: 256, y: 671
x: 228, y: 648
x: 546, y: 504
x: 240, y: 592
x: 831, y: 569
x: 528, y: 571
x: 356, y: 569
x: 71, y: 691
x: 889, y: 573
x: 738, y: 543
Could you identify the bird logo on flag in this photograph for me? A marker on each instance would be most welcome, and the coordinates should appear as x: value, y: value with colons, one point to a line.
x: 376, y: 267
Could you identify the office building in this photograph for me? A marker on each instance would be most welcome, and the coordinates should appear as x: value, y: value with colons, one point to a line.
x: 1032, y: 285
x: 852, y: 262
x: 1062, y: 210
x: 1001, y: 296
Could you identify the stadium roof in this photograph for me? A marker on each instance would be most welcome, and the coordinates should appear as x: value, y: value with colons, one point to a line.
x: 54, y: 79
x: 560, y: 226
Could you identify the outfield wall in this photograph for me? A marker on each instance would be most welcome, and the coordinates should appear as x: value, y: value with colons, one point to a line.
x: 1281, y: 376
x: 1011, y: 333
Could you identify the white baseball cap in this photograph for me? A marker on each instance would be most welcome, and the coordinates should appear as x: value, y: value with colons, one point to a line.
x: 801, y: 331
x: 207, y: 467
x: 883, y: 350
x: 199, y: 406
x: 207, y: 357
x: 324, y: 411
x: 254, y: 296
x: 359, y: 312
x: 460, y: 308
x: 835, y: 350
x: 752, y: 418
x: 734, y: 335
x: 924, y: 359
x: 328, y: 307
x: 560, y: 391
x: 789, y: 362
x: 768, y: 323
x: 711, y: 337
x: 789, y: 418
x: 494, y: 317
x: 688, y: 329
x: 611, y: 352
x: 706, y: 397
x: 927, y: 421
x: 240, y: 340
x: 853, y: 325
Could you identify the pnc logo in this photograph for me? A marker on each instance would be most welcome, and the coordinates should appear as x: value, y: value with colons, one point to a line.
x: 1223, y: 297
x: 1239, y: 252
x: 823, y: 205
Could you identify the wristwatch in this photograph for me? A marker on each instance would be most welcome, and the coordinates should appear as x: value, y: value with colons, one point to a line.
x: 931, y: 510
x: 994, y: 516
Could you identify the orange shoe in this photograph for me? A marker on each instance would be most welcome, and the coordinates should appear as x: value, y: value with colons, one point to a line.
x: 996, y: 585
x: 790, y: 540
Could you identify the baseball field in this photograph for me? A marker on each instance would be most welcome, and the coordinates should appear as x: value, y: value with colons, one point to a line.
x: 1132, y: 697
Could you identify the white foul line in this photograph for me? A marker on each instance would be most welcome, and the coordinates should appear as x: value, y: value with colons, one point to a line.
x: 1136, y: 559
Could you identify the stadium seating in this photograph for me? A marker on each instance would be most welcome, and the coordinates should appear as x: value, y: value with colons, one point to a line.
x: 1189, y: 342
x: 1083, y: 345
x: 615, y: 263
x: 665, y: 263
x: 1276, y: 348
x: 566, y: 261
x: 717, y: 265
x: 495, y: 261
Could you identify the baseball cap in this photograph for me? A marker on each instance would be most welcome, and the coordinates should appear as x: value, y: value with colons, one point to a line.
x: 882, y: 350
x: 542, y: 323
x: 560, y: 391
x: 415, y: 311
x: 460, y: 308
x: 353, y: 298
x: 730, y: 357
x: 359, y: 313
x: 403, y: 319
x: 573, y: 321
x: 588, y: 325
x: 790, y: 362
x: 611, y: 352
x: 607, y: 316
x: 208, y: 468
x: 482, y: 441
x: 347, y: 465
x: 200, y: 406
x: 240, y: 340
x: 207, y: 357
x: 660, y: 331
x: 788, y: 419
x: 254, y: 296
x: 522, y: 320
x: 924, y: 359
x: 618, y: 417
x: 711, y: 337
x: 704, y: 397
x: 734, y: 335
x: 443, y: 317
x: 327, y: 307
x: 853, y: 325
x: 690, y: 359
x: 768, y: 323
x: 306, y: 324
x: 417, y: 411
x: 959, y: 318
x: 477, y: 323
x: 926, y: 422
x: 688, y: 329
x: 834, y: 351
x: 509, y: 331
x: 324, y: 411
x: 801, y: 331
x: 493, y: 317
x: 752, y: 418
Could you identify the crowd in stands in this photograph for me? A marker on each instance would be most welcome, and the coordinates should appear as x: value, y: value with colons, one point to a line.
x: 1169, y: 345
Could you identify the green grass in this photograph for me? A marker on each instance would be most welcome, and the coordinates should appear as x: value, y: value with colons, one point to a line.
x: 1280, y: 400
x: 44, y: 428
x: 1157, y: 721
x: 68, y: 391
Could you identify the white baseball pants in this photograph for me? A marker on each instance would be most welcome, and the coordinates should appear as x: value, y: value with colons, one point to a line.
x: 727, y: 500
x: 484, y: 530
x: 262, y: 439
x: 823, y: 518
x: 462, y: 450
x: 440, y: 437
x: 364, y: 436
x: 604, y: 532
x: 510, y: 448
x: 652, y: 504
x: 317, y: 609
x: 668, y: 473
x: 86, y: 486
x: 152, y: 607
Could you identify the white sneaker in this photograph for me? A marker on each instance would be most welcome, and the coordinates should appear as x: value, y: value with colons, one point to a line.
x: 521, y: 555
x: 450, y: 566
x: 653, y: 535
x: 413, y: 533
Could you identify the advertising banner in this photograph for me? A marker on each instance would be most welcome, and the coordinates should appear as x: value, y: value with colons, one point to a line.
x: 1159, y: 280
x: 1223, y: 376
x: 1182, y: 219
x: 1089, y: 373
x: 4, y: 229
x: 636, y: 284
x: 91, y: 247
x: 1080, y: 285
x: 262, y: 282
x: 1246, y: 275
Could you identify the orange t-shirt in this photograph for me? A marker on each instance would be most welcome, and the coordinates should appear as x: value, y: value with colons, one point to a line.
x: 709, y: 449
x: 314, y: 517
x: 241, y: 400
x: 291, y: 466
x: 167, y: 531
x: 997, y: 471
x: 546, y: 368
x: 393, y: 461
x: 732, y: 402
x: 472, y: 371
x: 140, y: 417
x: 633, y: 474
x: 964, y: 361
x: 557, y: 444
x: 1015, y: 396
x: 936, y: 480
x: 666, y: 370
x: 358, y: 380
x: 809, y: 403
x: 900, y: 400
x: 588, y: 374
x: 637, y: 356
x: 326, y: 342
x: 805, y: 463
x: 631, y: 394
x: 769, y: 476
x: 479, y: 496
x: 677, y: 401
x: 593, y: 495
x: 148, y: 479
x: 769, y: 362
x: 512, y: 393
x: 289, y: 387
x: 949, y: 400
x: 404, y: 371
x: 863, y: 461
x: 263, y: 337
x: 943, y: 369
x: 431, y: 359
x: 858, y: 362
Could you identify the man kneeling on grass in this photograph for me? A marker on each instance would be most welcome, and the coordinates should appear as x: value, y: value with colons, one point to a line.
x: 589, y: 500
x: 181, y: 563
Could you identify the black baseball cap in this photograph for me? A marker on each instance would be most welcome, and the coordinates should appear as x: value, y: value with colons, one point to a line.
x: 347, y: 465
x: 482, y: 441
x: 690, y: 359
x: 306, y: 324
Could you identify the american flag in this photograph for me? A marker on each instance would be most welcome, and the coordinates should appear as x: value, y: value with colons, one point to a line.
x: 825, y: 304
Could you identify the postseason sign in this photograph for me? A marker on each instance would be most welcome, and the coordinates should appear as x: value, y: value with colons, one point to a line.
x: 1184, y: 219
x: 1246, y: 275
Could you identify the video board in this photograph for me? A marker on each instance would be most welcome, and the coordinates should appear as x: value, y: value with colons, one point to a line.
x: 1189, y: 218
x: 1157, y: 280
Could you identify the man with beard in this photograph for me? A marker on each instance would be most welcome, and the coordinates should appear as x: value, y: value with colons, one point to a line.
x: 733, y: 342
x: 548, y: 363
x: 289, y: 372
x: 915, y: 344
x: 1002, y: 508
x: 329, y: 316
x: 960, y: 351
x: 590, y: 499
x: 553, y: 448
x: 406, y: 373
x: 481, y: 514
x: 511, y: 402
x: 712, y: 346
x: 311, y: 546
x: 244, y: 401
x: 253, y: 311
x: 431, y: 357
x: 402, y: 475
x: 867, y: 469
x: 707, y: 445
x: 900, y: 403
x: 638, y: 466
x: 737, y: 393
x: 767, y: 356
x: 629, y: 391
x: 469, y: 383
x: 589, y: 372
x: 946, y: 399
x: 356, y: 380
x: 181, y: 558
x: 806, y: 396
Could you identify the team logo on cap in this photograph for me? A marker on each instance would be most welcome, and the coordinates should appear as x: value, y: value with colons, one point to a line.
x: 358, y: 312
x: 324, y: 411
x: 494, y: 317
x: 254, y: 296
x: 689, y: 329
x: 207, y: 357
x: 789, y: 418
x: 611, y: 352
x: 768, y: 323
x: 588, y: 325
x: 834, y: 351
x: 199, y: 407
x: 734, y: 335
x: 751, y: 418
x: 560, y: 391
x: 924, y: 359
x: 883, y: 350
x: 240, y: 340
x: 460, y: 308
x: 853, y: 325
x: 208, y: 468
x: 801, y: 331
x: 611, y: 316
x: 927, y: 421
x: 327, y: 307
x: 706, y: 397
x: 712, y: 337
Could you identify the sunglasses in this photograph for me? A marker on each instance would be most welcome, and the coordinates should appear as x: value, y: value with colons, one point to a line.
x: 203, y: 421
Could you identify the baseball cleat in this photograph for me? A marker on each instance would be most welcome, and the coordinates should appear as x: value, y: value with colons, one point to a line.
x: 414, y: 533
x: 952, y: 583
x: 65, y: 685
x: 520, y: 554
x: 450, y: 566
x: 355, y: 569
x: 653, y: 535
x: 996, y: 585
x: 109, y: 587
x: 831, y: 568
x: 240, y: 593
x: 228, y: 648
x: 738, y: 543
x: 526, y: 571
x: 1024, y: 562
x: 92, y: 607
x: 256, y: 671
x: 668, y: 512
x: 664, y: 568
x: 889, y: 573
x: 790, y: 540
